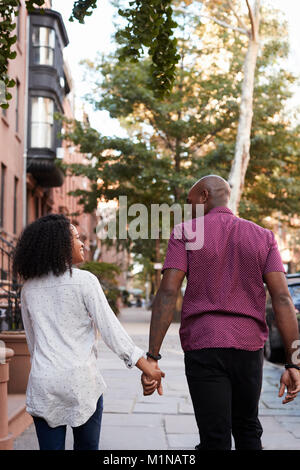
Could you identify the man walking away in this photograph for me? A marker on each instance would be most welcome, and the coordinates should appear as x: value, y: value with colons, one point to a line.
x: 223, y: 327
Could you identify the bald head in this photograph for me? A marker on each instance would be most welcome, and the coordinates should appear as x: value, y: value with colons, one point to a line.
x: 211, y: 190
x: 215, y: 185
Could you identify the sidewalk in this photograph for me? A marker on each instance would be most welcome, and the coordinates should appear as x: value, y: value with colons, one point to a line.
x: 132, y: 421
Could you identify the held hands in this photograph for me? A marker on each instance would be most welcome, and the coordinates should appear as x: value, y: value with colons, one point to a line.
x: 152, y: 382
x: 291, y: 380
x: 151, y: 377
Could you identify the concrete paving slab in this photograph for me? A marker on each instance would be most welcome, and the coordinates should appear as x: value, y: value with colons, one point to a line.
x: 177, y: 386
x: 175, y: 424
x: 186, y: 409
x: 289, y: 419
x: 137, y: 420
x: 161, y: 400
x: 279, y: 412
x: 167, y: 408
x: 294, y: 429
x: 271, y: 400
x: 130, y: 439
x: 176, y: 393
x: 280, y: 441
x: 183, y: 441
x: 27, y: 440
x: 118, y: 406
x: 270, y: 424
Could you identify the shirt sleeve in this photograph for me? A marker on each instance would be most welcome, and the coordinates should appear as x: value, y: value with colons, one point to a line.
x: 27, y: 322
x: 105, y: 320
x: 176, y: 257
x: 273, y: 261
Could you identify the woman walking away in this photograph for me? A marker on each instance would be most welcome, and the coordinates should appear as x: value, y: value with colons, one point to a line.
x: 64, y: 309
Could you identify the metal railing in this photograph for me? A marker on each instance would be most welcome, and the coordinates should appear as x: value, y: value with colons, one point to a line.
x: 10, y: 304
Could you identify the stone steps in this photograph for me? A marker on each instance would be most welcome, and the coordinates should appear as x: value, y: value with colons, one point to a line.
x: 18, y: 418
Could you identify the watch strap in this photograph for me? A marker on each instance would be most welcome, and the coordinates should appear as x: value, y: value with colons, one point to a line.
x: 156, y: 358
x: 291, y: 366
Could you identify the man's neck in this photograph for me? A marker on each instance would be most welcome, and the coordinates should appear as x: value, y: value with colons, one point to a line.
x: 218, y: 204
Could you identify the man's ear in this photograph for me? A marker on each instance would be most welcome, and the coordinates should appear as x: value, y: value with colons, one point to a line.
x: 203, y: 196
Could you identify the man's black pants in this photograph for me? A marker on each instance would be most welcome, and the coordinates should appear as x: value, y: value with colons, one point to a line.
x: 225, y: 386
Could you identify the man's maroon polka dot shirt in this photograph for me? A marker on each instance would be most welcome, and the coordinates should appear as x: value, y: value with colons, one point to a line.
x: 224, y: 301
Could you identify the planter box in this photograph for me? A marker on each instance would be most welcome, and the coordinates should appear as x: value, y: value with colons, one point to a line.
x: 19, y: 367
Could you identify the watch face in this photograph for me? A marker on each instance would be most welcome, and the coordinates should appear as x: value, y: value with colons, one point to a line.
x: 62, y: 82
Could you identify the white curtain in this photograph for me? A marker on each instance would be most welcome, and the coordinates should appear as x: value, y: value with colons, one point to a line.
x: 42, y: 111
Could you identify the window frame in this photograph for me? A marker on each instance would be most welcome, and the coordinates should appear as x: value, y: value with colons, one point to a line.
x: 2, y: 194
x: 15, y: 222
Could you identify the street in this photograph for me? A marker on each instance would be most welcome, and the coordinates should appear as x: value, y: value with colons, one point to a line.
x: 134, y: 422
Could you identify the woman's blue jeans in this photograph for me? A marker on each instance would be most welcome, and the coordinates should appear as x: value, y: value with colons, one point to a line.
x: 86, y: 436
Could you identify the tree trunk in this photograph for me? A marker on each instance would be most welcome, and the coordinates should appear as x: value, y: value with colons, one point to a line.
x: 242, y: 147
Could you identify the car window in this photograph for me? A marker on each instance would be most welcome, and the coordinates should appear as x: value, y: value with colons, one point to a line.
x: 295, y: 293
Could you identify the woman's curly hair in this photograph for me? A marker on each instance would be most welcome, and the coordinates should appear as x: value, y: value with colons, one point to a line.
x: 44, y: 246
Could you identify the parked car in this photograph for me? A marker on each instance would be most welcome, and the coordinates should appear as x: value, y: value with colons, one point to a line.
x: 274, y: 349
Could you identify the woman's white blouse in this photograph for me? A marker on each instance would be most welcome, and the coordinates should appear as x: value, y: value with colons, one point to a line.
x: 63, y: 316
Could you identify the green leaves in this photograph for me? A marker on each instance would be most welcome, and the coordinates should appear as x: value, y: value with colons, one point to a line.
x: 32, y: 5
x: 8, y: 11
x: 81, y: 9
x: 150, y: 25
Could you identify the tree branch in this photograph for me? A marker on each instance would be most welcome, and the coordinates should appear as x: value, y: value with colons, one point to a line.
x: 252, y: 21
x: 226, y: 25
x: 239, y: 20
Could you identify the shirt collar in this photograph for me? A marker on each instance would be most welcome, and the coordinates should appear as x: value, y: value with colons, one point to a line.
x: 223, y: 209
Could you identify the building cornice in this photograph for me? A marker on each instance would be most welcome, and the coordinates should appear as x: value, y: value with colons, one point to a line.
x: 58, y: 17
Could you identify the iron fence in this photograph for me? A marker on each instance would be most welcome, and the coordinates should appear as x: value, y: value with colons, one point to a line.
x: 10, y: 290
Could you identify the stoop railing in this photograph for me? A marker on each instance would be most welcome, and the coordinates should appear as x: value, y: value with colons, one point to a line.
x: 10, y: 289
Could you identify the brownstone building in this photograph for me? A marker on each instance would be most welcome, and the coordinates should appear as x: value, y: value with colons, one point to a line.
x: 12, y: 139
x: 31, y: 182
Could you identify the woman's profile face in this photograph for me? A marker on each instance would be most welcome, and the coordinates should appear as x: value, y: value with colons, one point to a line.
x: 77, y: 247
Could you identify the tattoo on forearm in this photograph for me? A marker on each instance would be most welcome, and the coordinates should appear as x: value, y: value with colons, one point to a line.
x: 162, y: 314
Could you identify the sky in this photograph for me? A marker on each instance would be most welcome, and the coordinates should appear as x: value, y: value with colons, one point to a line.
x: 86, y: 40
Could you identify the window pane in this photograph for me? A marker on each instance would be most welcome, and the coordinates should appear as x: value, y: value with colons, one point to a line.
x: 42, y: 122
x: 15, y: 204
x: 2, y: 193
x: 43, y: 36
x: 43, y: 55
x: 43, y: 40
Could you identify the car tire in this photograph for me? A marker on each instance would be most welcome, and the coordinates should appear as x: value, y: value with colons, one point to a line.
x: 272, y: 354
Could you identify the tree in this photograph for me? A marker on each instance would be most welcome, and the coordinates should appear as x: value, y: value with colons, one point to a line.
x: 122, y: 168
x: 150, y: 25
x: 242, y: 147
x: 106, y: 274
x: 141, y: 16
x: 192, y: 132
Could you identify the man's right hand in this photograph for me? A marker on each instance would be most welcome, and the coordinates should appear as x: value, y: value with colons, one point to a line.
x: 290, y: 379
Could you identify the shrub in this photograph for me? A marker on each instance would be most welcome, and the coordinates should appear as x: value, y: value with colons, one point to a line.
x: 106, y: 274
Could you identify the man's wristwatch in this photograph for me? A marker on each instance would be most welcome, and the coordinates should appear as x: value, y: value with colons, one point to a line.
x: 291, y: 366
x: 156, y: 358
